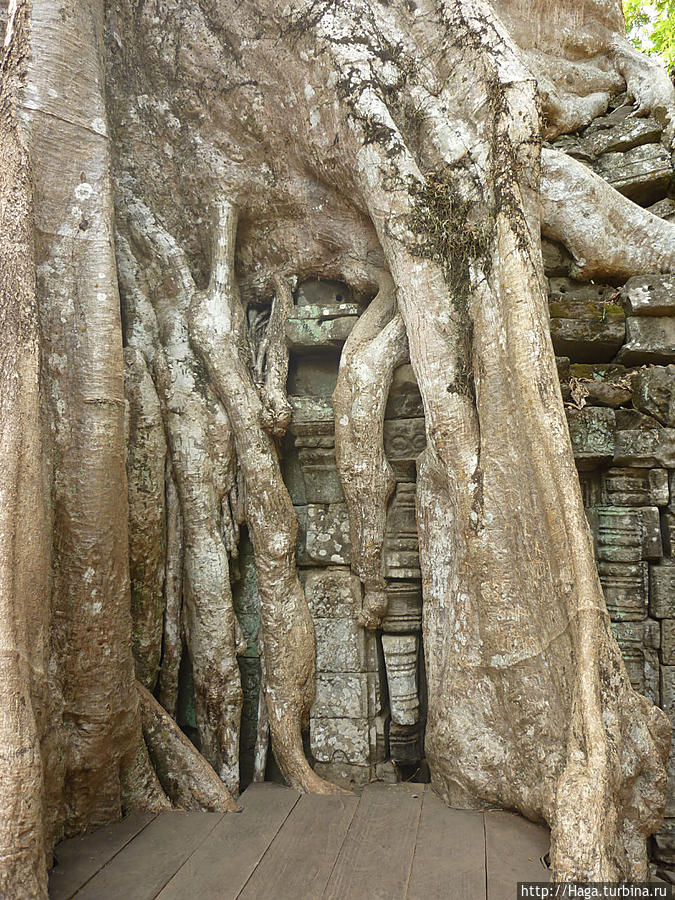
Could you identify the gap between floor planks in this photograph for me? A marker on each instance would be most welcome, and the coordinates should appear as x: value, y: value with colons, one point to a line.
x: 395, y: 841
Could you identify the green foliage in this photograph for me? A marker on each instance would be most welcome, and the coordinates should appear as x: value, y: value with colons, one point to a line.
x: 651, y: 27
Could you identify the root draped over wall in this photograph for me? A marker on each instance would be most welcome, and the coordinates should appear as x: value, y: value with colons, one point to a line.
x: 254, y: 144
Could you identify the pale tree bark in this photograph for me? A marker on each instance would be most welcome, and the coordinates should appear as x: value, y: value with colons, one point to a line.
x: 217, y: 331
x: 83, y: 382
x: 394, y: 146
x: 24, y: 548
x: 374, y: 349
x: 415, y: 136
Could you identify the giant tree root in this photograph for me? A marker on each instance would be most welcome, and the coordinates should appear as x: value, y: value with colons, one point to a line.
x: 216, y: 330
x: 375, y: 347
x: 608, y: 235
x: 185, y: 775
x: 199, y: 441
x: 530, y: 706
x: 146, y: 460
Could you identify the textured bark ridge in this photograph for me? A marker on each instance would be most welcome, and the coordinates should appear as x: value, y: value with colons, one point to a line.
x: 24, y: 554
x: 390, y: 145
x: 373, y: 350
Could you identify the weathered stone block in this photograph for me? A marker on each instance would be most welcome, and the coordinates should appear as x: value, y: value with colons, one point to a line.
x: 332, y: 593
x: 313, y: 375
x: 649, y: 295
x: 327, y: 539
x: 404, y: 439
x: 622, y: 534
x: 309, y: 328
x: 606, y: 393
x: 643, y: 174
x: 322, y: 483
x: 404, y: 400
x: 625, y: 586
x: 668, y: 691
x: 639, y: 643
x: 654, y: 393
x: 344, y: 774
x: 567, y: 293
x: 322, y: 293
x: 405, y: 607
x: 401, y: 545
x: 668, y: 642
x: 662, y: 591
x: 607, y: 135
x: 557, y: 260
x: 665, y: 454
x: 312, y: 417
x: 404, y: 743
x: 585, y: 324
x: 292, y: 474
x: 340, y: 740
x: 664, y: 209
x: 400, y: 657
x: 635, y: 487
x: 648, y: 340
x: 348, y: 695
x: 668, y: 531
x: 343, y: 646
x: 637, y: 447
x: 592, y: 431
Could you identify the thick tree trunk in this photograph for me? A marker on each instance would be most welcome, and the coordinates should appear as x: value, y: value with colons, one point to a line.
x: 395, y: 146
x: 24, y: 548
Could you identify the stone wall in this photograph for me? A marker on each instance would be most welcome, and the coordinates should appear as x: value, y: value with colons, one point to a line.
x: 615, y: 347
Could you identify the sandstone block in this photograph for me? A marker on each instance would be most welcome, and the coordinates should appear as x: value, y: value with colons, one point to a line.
x: 592, y: 431
x: 310, y: 328
x: 312, y: 417
x: 404, y: 400
x: 649, y: 339
x: 401, y: 545
x: 668, y: 642
x: 662, y: 591
x: 637, y: 447
x: 400, y: 656
x: 643, y: 174
x: 557, y: 260
x: 332, y: 593
x: 635, y: 487
x: 639, y: 643
x: 622, y: 534
x: 327, y: 538
x: 340, y: 740
x: 654, y: 393
x: 317, y: 292
x: 346, y: 695
x: 322, y: 483
x: 626, y: 589
x: 343, y: 646
x: 405, y: 607
x: 344, y: 774
x: 649, y: 295
x: 607, y: 135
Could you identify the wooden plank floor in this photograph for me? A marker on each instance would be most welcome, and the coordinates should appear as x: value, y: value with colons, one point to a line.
x: 394, y: 841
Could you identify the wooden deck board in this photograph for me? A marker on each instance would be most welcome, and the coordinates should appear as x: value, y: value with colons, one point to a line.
x: 80, y: 858
x: 221, y: 866
x: 377, y: 853
x: 143, y: 867
x: 514, y: 848
x: 301, y: 857
x: 450, y: 853
x: 395, y: 842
